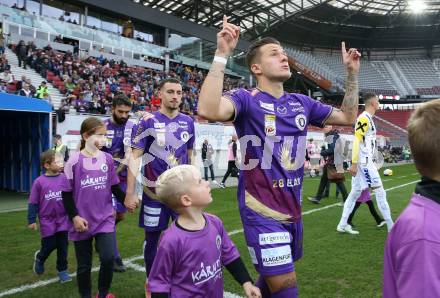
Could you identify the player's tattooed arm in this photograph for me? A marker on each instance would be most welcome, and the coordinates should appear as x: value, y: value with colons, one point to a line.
x: 351, y: 99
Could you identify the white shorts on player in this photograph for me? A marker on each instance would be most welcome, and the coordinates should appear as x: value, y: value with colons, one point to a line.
x: 367, y: 175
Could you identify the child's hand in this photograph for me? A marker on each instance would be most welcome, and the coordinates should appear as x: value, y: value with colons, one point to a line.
x: 80, y: 224
x: 131, y: 202
x: 251, y: 290
x: 33, y: 226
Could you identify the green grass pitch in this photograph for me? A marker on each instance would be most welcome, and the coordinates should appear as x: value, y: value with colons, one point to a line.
x: 333, y: 265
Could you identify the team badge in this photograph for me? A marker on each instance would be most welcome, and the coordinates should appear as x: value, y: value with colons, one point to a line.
x: 184, y: 136
x: 218, y: 241
x: 104, y: 168
x: 270, y: 125
x: 301, y: 121
x: 126, y: 141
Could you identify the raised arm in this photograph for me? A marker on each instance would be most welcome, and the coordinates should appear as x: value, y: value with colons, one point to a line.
x: 212, y: 106
x: 349, y: 108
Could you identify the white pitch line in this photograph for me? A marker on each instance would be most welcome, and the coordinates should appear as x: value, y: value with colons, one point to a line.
x: 142, y: 269
x: 50, y: 281
x: 136, y: 267
x: 234, y: 232
x: 13, y: 210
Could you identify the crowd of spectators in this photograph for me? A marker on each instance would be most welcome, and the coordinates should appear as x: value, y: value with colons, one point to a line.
x: 89, y: 85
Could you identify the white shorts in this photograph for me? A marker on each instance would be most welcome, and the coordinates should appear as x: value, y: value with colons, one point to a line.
x: 367, y: 176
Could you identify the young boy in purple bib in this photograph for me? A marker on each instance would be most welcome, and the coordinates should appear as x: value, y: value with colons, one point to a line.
x: 412, y: 250
x: 87, y: 196
x: 193, y: 250
x: 45, y: 201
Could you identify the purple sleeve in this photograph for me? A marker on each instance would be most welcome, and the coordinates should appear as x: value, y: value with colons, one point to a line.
x: 160, y: 277
x: 318, y: 112
x: 67, y: 183
x: 113, y: 177
x: 34, y: 197
x: 229, y: 251
x: 238, y: 97
x: 190, y: 144
x: 139, y: 135
x: 416, y: 271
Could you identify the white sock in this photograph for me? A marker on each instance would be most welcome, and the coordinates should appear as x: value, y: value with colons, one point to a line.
x: 384, y: 208
x: 349, y: 206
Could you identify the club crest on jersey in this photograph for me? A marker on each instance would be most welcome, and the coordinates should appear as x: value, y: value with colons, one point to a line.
x: 270, y: 125
x: 104, y: 168
x: 218, y: 241
x: 301, y: 121
x: 184, y: 136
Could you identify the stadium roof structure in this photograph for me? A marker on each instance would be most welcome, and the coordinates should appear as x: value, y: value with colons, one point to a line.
x: 323, y: 23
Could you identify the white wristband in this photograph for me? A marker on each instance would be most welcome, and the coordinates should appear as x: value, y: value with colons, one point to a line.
x: 221, y: 60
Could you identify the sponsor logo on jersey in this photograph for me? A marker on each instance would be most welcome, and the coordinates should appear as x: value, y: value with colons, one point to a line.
x: 253, y: 255
x: 206, y: 273
x: 267, y: 106
x: 274, y: 238
x: 282, y: 110
x: 276, y: 256
x: 53, y: 195
x: 270, y: 125
x: 159, y: 125
x: 151, y: 221
x: 152, y: 211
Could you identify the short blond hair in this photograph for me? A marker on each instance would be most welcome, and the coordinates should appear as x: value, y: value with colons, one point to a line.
x: 424, y: 138
x: 174, y: 183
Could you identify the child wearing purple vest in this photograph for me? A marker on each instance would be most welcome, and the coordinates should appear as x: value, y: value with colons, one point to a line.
x: 87, y: 196
x: 412, y: 251
x: 193, y: 250
x: 45, y: 202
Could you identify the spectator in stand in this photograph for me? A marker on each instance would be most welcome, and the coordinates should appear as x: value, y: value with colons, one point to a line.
x: 3, y: 88
x: 58, y: 39
x: 25, y: 91
x: 7, y: 77
x: 155, y: 100
x: 45, y: 66
x: 42, y: 90
x: 21, y: 83
x: 4, y: 63
x: 114, y: 86
x: 2, y: 44
x: 22, y: 53
x: 31, y: 87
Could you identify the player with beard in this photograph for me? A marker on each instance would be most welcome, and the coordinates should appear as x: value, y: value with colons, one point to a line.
x: 164, y: 141
x: 118, y: 135
x: 272, y: 129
